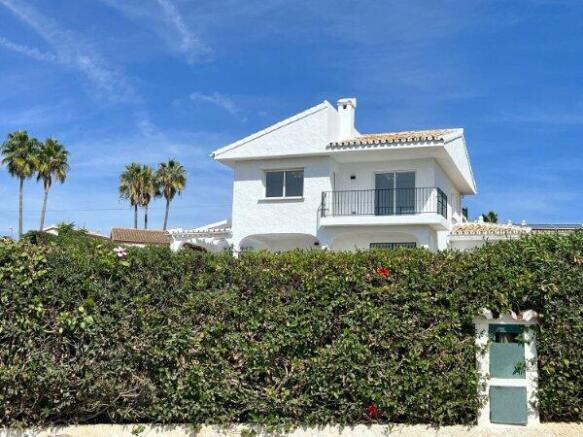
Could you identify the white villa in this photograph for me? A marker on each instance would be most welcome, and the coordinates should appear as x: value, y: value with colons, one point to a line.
x: 313, y: 181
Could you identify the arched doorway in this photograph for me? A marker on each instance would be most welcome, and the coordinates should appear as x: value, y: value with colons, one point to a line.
x: 279, y: 242
x: 194, y: 247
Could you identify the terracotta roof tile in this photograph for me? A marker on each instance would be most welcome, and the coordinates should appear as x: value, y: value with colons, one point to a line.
x: 395, y: 137
x: 140, y: 236
x: 488, y: 229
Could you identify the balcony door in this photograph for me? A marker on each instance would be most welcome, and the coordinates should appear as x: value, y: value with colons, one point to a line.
x: 395, y: 193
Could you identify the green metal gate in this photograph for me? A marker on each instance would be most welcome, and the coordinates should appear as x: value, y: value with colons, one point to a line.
x: 508, y: 403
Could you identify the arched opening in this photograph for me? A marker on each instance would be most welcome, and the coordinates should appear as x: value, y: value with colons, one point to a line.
x: 202, y: 244
x: 194, y: 247
x: 279, y: 242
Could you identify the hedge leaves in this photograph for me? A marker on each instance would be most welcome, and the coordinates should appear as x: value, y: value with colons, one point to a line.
x: 275, y: 339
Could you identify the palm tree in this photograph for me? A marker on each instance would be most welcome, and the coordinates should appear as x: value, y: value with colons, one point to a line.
x: 172, y: 180
x: 19, y: 155
x: 130, y: 188
x: 148, y: 189
x: 51, y: 161
x: 490, y: 217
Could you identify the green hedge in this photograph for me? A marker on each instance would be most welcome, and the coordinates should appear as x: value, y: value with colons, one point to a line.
x: 275, y: 339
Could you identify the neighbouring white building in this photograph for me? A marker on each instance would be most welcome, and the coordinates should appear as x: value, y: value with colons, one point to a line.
x: 313, y: 181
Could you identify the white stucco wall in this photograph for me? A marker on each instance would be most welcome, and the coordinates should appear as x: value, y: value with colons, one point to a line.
x: 279, y: 242
x: 468, y: 242
x: 305, y: 133
x: 458, y: 151
x: 365, y: 172
x: 454, y: 204
x: 254, y: 214
x: 359, y: 238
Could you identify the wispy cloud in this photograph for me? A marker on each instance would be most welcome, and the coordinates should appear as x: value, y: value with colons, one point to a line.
x: 31, y: 52
x: 217, y: 99
x: 150, y: 144
x: 190, y: 45
x: 69, y: 50
x: 166, y: 20
x: 57, y: 113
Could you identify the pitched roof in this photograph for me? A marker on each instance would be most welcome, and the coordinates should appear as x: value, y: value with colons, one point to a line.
x: 140, y: 236
x: 222, y: 227
x: 319, y: 107
x: 439, y: 135
x: 54, y: 229
x: 488, y: 229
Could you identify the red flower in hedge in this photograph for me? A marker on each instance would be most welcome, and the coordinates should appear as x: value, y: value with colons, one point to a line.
x: 373, y: 411
x: 384, y: 272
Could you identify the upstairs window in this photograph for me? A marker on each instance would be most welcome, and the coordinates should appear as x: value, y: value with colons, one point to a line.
x: 284, y: 183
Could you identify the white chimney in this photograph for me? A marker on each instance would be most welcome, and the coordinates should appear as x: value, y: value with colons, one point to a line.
x: 346, y: 108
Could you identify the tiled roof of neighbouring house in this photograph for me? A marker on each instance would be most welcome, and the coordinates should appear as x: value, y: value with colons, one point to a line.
x: 140, y: 236
x: 395, y: 137
x: 488, y: 229
x: 200, y: 231
x: 558, y: 227
x: 221, y: 227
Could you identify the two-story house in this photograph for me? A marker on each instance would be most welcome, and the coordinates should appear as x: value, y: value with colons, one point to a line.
x: 314, y: 181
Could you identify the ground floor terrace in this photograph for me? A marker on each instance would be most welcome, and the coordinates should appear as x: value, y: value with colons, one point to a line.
x: 349, y: 237
x: 341, y: 238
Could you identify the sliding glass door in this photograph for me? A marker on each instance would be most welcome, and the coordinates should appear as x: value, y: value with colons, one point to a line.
x: 405, y: 193
x: 395, y: 193
x: 384, y: 194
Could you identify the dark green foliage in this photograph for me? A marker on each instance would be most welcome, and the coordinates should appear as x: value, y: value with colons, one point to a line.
x: 490, y: 217
x: 288, y: 339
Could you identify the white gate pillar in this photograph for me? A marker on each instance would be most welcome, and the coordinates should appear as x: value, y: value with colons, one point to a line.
x: 504, y: 342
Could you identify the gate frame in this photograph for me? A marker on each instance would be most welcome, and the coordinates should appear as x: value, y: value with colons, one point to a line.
x: 530, y: 382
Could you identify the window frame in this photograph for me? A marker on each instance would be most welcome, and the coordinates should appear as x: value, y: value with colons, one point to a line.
x: 284, y: 187
x: 391, y: 245
x: 393, y: 191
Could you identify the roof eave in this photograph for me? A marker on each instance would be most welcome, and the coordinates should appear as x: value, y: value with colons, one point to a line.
x: 231, y: 161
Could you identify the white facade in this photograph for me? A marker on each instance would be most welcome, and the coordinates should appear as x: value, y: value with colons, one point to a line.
x: 341, y: 206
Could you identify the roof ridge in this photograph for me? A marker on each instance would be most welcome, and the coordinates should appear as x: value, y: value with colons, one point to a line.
x: 140, y: 230
x: 405, y: 136
x: 437, y: 129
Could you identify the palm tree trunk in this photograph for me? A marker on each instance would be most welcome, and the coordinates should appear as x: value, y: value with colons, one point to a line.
x: 44, y: 210
x: 20, y: 206
x: 166, y: 213
x: 146, y: 216
x: 135, y: 216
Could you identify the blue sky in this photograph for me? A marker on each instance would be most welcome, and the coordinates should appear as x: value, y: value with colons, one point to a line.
x: 145, y: 80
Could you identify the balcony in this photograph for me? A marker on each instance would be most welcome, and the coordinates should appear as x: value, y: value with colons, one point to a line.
x: 426, y: 205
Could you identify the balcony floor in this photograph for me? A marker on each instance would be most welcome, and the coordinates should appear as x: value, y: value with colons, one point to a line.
x: 435, y: 221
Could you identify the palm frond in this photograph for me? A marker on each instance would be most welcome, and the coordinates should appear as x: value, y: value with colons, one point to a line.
x: 171, y: 178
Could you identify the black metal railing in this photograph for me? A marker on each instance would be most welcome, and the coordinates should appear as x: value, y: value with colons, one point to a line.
x: 398, y: 201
